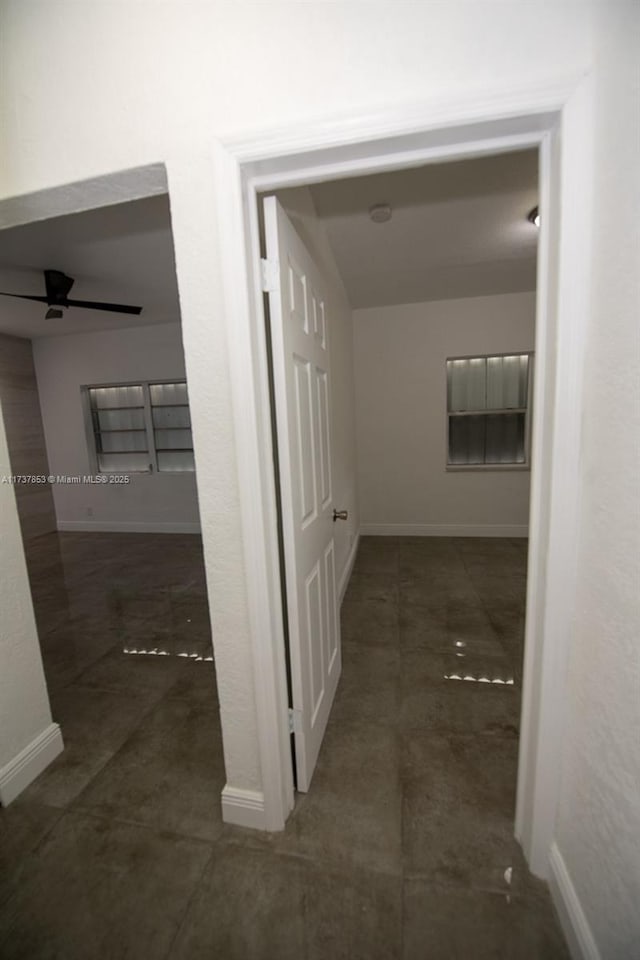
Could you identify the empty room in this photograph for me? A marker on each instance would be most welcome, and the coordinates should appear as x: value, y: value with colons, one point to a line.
x: 96, y: 412
x: 318, y: 529
x: 402, y: 365
x: 412, y: 453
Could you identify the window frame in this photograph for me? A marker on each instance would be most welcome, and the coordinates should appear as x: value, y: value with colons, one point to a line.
x: 148, y: 424
x: 500, y: 467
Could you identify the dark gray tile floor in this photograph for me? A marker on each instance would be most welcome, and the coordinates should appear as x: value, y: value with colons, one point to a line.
x: 401, y: 846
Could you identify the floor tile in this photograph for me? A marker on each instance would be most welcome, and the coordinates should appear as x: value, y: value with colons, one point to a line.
x: 373, y: 622
x: 446, y: 924
x: 414, y: 788
x: 250, y: 904
x: 420, y: 669
x: 449, y: 612
x: 426, y: 546
x: 456, y: 706
x: 268, y: 905
x: 70, y: 648
x: 443, y: 597
x: 458, y: 809
x: 489, y: 548
x: 94, y: 725
x: 367, y: 587
x: 168, y: 775
x: 508, y: 623
x: 498, y: 592
x: 197, y: 685
x: 351, y: 915
x: 423, y: 629
x: 100, y: 891
x: 436, y: 562
x: 23, y: 825
x: 122, y: 670
x: 352, y: 816
x: 508, y: 568
x: 433, y: 579
x: 378, y: 554
x: 50, y: 615
x: 369, y: 685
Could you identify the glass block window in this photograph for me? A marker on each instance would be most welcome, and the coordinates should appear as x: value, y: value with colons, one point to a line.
x: 119, y: 429
x: 141, y: 427
x: 488, y: 410
x: 171, y: 426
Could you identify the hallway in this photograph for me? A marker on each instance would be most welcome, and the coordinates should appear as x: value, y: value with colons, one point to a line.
x: 398, y: 851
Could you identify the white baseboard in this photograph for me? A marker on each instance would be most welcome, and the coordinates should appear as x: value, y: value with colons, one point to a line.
x: 127, y: 526
x: 244, y: 808
x: 444, y: 530
x: 16, y: 775
x: 348, y: 569
x: 580, y: 939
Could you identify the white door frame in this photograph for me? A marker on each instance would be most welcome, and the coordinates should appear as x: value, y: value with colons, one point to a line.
x: 558, y: 120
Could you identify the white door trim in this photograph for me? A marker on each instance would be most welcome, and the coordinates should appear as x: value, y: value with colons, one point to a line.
x: 498, y: 121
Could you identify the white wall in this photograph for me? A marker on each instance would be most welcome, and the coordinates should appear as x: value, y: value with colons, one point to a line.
x: 150, y: 501
x: 189, y: 73
x: 598, y: 829
x: 401, y: 403
x: 25, y: 716
x: 298, y: 204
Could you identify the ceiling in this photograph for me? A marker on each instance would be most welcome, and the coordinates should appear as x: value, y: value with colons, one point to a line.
x: 121, y: 253
x: 457, y: 230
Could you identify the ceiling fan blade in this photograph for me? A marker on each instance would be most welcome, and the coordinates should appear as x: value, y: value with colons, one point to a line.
x: 93, y: 305
x: 57, y: 285
x: 25, y: 296
x: 58, y: 301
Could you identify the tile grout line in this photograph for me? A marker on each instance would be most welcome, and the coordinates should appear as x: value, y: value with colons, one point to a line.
x: 401, y: 750
x: 116, y: 752
x: 187, y: 907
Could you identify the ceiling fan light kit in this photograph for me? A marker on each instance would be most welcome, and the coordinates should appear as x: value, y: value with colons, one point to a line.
x: 57, y: 285
x: 380, y: 212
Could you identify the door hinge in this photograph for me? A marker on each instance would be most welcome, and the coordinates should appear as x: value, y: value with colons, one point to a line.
x: 270, y: 272
x: 295, y: 720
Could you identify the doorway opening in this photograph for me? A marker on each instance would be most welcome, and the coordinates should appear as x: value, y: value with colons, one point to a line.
x: 557, y: 123
x: 410, y: 340
x: 96, y: 409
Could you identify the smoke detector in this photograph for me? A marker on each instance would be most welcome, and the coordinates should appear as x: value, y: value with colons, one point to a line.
x: 380, y: 212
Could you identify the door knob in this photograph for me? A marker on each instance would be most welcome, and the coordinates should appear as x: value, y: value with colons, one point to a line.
x: 340, y: 515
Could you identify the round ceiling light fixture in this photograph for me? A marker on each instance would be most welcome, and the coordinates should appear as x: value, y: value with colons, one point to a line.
x: 534, y: 217
x: 380, y: 212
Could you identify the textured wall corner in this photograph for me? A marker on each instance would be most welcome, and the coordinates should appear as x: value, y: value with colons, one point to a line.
x: 598, y: 830
x: 25, y: 435
x: 24, y: 703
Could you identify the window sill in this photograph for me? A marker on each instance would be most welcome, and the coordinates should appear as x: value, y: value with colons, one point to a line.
x: 486, y: 467
x: 123, y: 473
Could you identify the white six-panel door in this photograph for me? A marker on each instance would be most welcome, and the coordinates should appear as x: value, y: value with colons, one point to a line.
x: 300, y: 343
